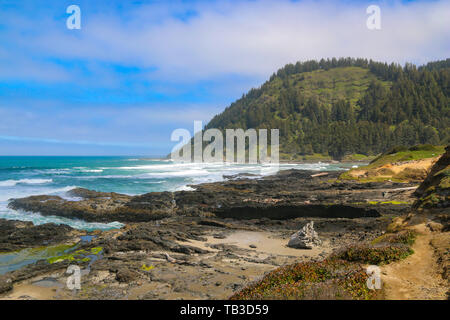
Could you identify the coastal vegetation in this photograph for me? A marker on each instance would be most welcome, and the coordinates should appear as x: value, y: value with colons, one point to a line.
x: 328, y: 279
x: 399, y: 154
x: 340, y: 276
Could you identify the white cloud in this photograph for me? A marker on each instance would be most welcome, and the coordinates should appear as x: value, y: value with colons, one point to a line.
x: 141, y: 124
x: 251, y: 38
x: 217, y: 54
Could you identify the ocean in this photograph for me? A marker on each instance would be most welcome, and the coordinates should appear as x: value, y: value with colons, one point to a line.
x: 26, y: 176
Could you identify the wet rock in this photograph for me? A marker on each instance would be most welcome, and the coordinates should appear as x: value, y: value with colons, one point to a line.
x: 100, y: 206
x: 435, y: 226
x: 5, y: 284
x: 126, y: 275
x: 190, y: 275
x: 306, y: 238
x: 169, y: 258
x: 213, y: 223
x: 16, y: 235
x: 234, y: 286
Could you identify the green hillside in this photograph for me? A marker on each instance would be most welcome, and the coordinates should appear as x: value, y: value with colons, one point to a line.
x: 347, y: 106
x: 328, y: 86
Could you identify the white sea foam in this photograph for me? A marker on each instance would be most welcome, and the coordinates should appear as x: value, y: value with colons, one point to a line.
x: 38, y: 219
x: 163, y: 166
x: 12, y: 193
x: 8, y: 183
x: 118, y: 176
x: 52, y: 171
x: 184, y: 188
x: 85, y: 169
x: 12, y: 183
x: 181, y: 173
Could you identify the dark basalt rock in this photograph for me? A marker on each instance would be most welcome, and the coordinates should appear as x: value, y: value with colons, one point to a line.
x: 295, y: 211
x: 288, y: 194
x: 147, y: 236
x: 16, y: 235
x: 165, y: 245
x: 213, y: 223
x: 100, y: 206
x: 126, y: 275
x: 6, y: 284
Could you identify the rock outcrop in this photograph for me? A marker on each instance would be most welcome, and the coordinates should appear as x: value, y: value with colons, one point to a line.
x: 434, y: 192
x: 5, y: 284
x: 306, y: 238
x: 100, y: 206
x: 17, y: 235
x: 287, y: 195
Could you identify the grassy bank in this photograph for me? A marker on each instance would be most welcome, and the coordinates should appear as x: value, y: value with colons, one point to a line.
x: 400, y: 164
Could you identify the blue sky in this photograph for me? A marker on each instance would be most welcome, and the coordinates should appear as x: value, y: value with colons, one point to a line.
x: 137, y: 70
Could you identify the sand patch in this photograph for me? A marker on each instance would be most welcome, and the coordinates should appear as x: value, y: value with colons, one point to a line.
x: 26, y: 291
x: 265, y: 242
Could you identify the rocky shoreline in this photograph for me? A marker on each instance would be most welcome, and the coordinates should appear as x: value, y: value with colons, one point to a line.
x: 286, y: 195
x: 200, y: 244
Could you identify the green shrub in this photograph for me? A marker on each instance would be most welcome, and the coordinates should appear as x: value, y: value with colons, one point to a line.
x: 327, y: 279
x: 423, y: 147
x: 373, y: 254
x: 340, y: 276
x: 397, y: 149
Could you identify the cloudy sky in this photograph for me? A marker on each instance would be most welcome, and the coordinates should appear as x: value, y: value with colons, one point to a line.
x: 137, y: 70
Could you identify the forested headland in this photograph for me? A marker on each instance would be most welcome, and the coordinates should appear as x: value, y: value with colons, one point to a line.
x: 337, y: 107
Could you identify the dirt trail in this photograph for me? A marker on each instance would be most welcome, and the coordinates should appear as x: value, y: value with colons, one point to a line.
x: 418, y: 276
